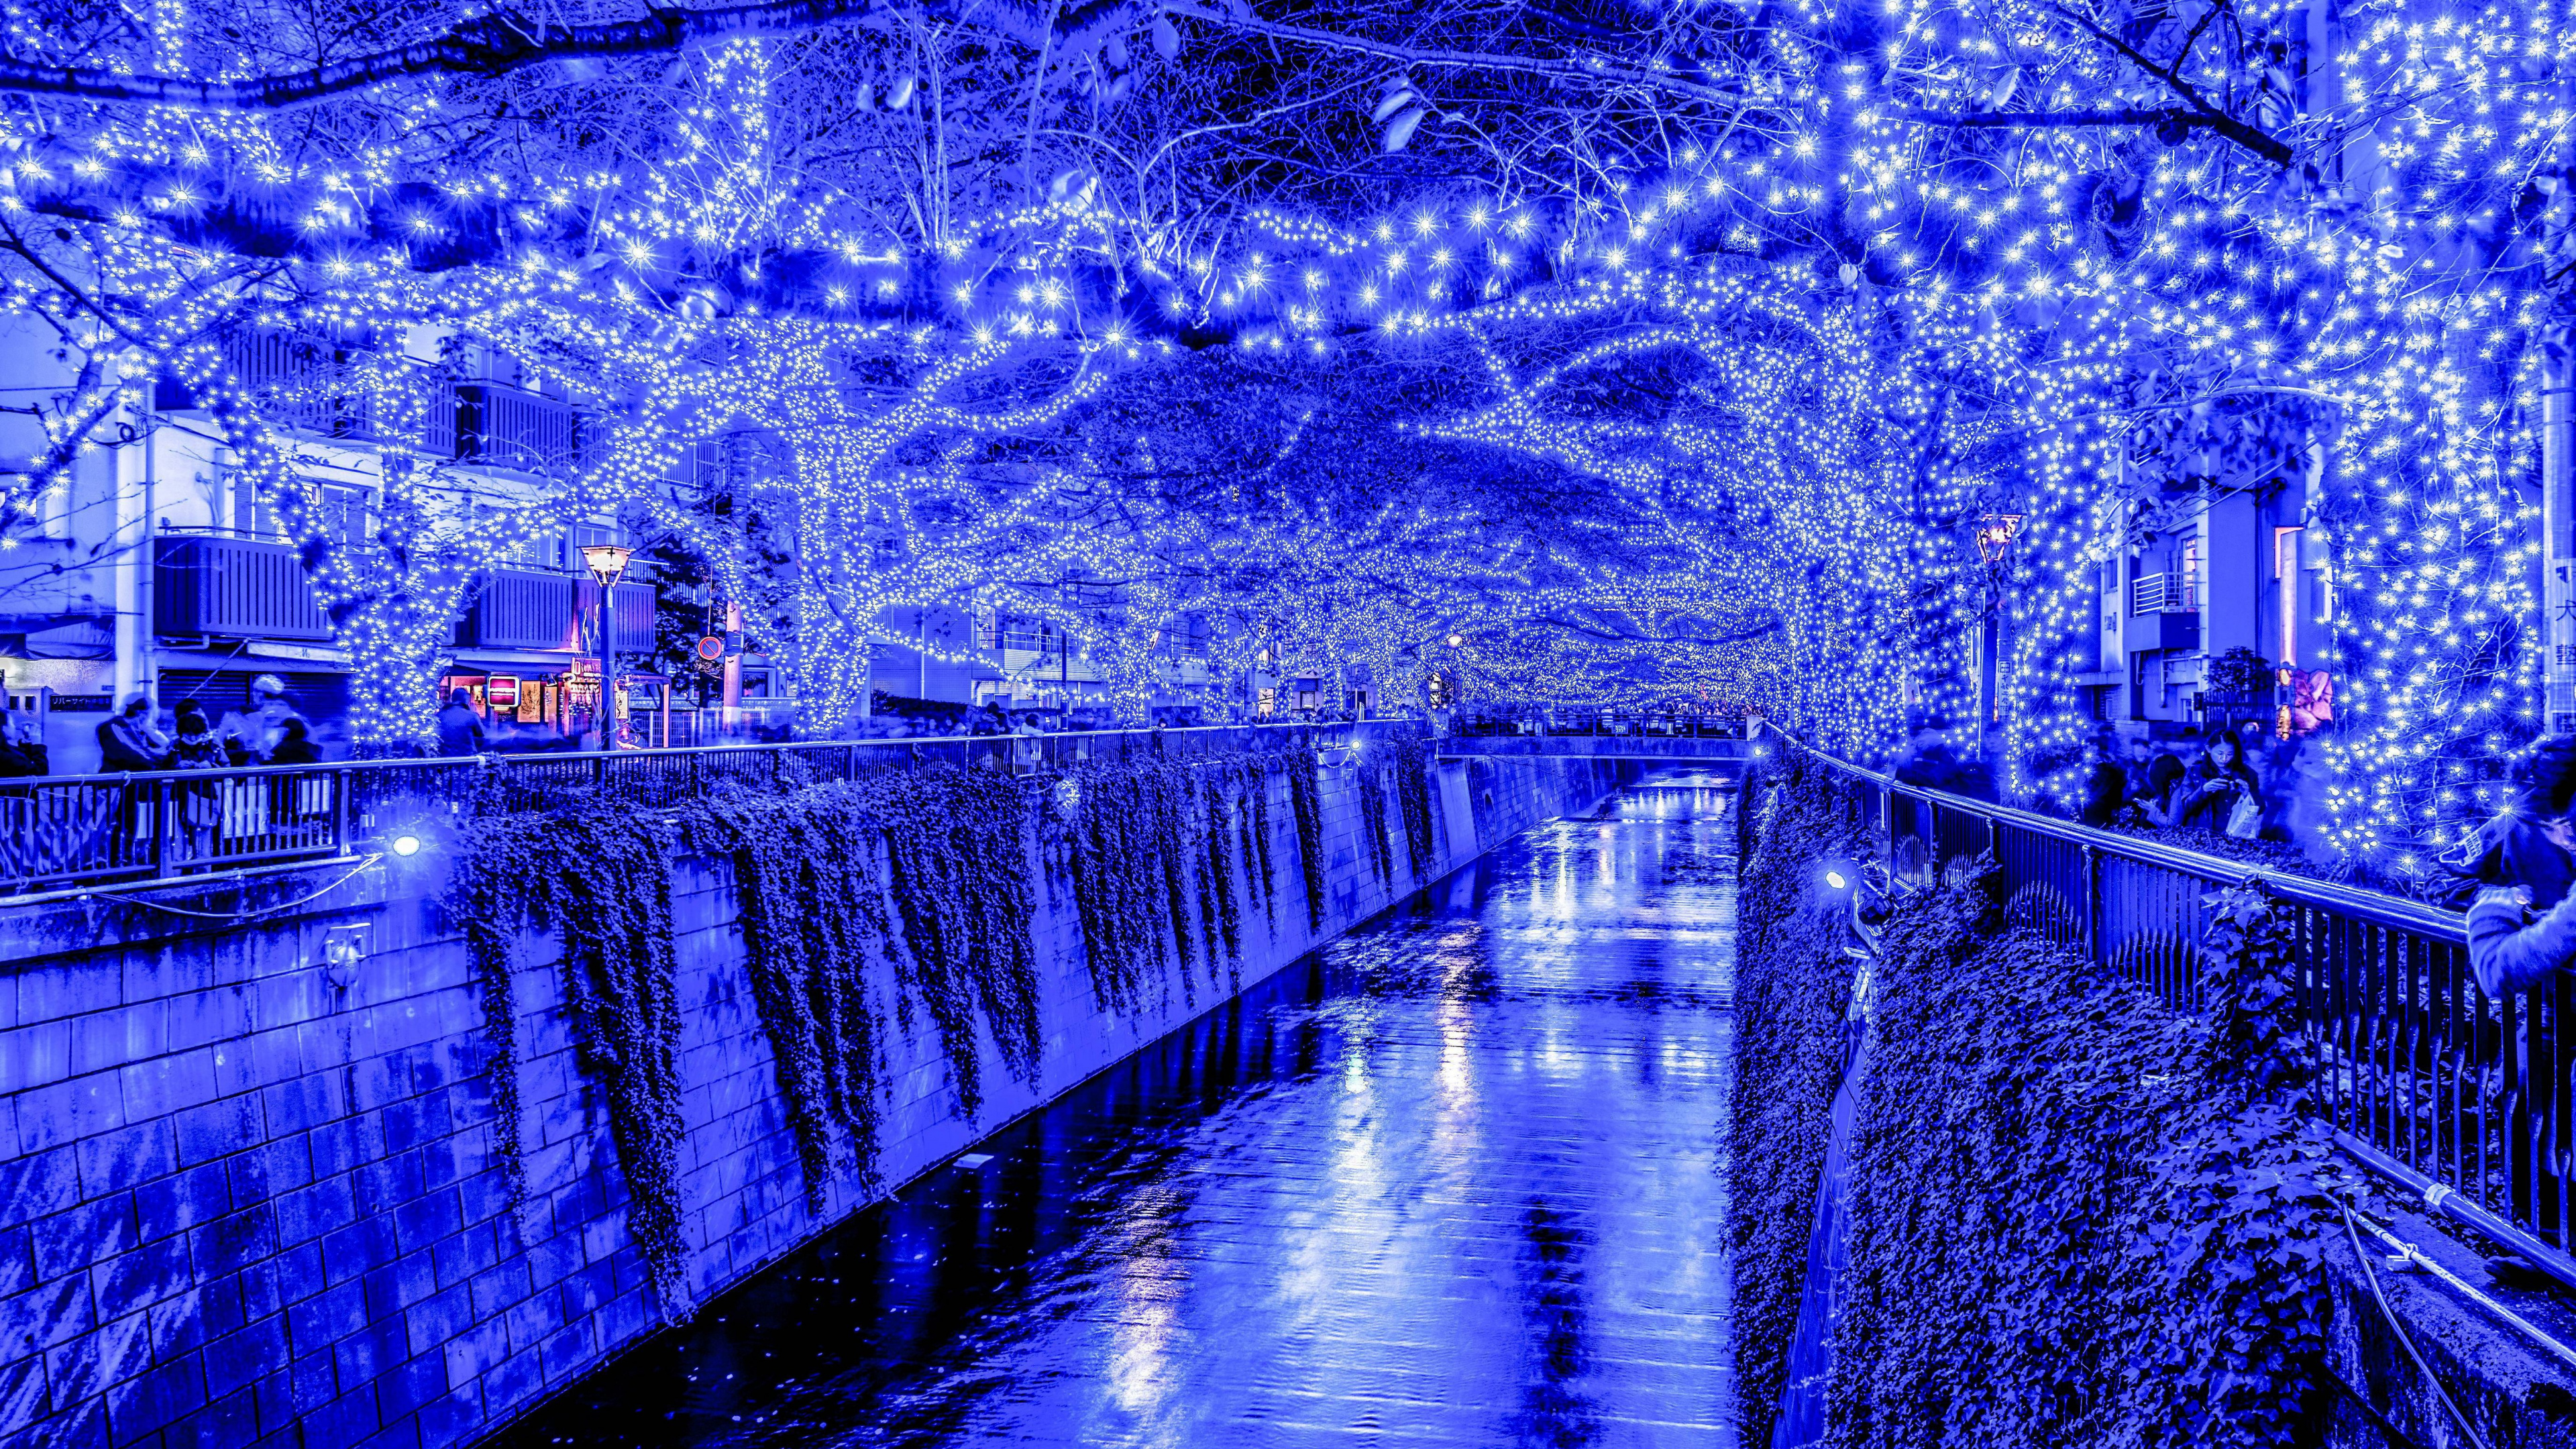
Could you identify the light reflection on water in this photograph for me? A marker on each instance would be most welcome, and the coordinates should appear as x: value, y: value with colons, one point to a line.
x: 1454, y: 1182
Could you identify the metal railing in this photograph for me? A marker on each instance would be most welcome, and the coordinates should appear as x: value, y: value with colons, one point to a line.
x: 2425, y: 1079
x: 90, y: 830
x: 1601, y: 722
x: 2160, y: 593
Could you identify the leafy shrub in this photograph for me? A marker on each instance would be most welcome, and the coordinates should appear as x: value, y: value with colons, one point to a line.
x: 1792, y: 990
x: 2077, y: 1216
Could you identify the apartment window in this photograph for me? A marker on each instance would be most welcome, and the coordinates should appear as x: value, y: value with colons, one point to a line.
x: 2190, y: 571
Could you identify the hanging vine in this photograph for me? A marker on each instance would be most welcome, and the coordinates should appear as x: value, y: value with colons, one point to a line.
x: 1152, y: 849
x: 1412, y: 766
x: 1306, y: 798
x: 1372, y: 782
x: 958, y: 867
x: 1117, y: 880
x: 809, y: 869
x: 1254, y: 773
x: 1220, y: 912
x: 1172, y: 796
x: 601, y: 880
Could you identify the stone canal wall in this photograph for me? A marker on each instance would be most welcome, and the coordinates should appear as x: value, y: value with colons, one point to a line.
x: 249, y: 1191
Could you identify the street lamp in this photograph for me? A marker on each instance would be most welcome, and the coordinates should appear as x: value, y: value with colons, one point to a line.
x: 607, y: 564
x: 1995, y: 532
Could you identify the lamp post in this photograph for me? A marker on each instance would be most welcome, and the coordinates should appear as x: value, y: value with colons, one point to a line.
x: 607, y: 563
x: 1995, y: 534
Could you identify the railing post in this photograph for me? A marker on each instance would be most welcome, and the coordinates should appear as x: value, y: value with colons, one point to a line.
x: 162, y: 864
x: 2093, y: 902
x: 340, y: 782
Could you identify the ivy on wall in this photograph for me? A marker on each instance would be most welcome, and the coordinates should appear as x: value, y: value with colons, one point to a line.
x: 601, y: 880
x: 1372, y: 783
x: 1162, y: 855
x: 810, y: 872
x: 1253, y: 774
x: 931, y: 875
x: 1306, y: 801
x: 1220, y: 907
x: 1792, y: 991
x: 1121, y: 831
x: 962, y: 877
x: 2075, y: 1216
x: 1411, y: 759
x: 816, y: 871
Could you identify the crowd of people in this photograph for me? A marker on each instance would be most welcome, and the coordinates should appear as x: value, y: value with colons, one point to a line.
x: 266, y: 731
x: 2238, y: 781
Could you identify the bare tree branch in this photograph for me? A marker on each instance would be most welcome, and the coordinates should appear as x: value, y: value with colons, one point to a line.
x: 487, y: 45
x: 2201, y: 113
x: 1590, y: 72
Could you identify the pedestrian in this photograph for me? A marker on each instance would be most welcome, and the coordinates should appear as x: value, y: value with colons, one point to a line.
x: 1027, y: 750
x: 129, y: 741
x: 22, y: 747
x: 1928, y: 761
x: 460, y: 729
x: 2518, y: 849
x: 199, y: 806
x: 295, y: 745
x: 249, y: 735
x: 2522, y: 917
x: 2220, y: 794
x: 2106, y: 787
x: 2159, y: 774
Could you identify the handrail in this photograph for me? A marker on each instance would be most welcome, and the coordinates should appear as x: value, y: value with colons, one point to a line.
x: 2376, y: 906
x: 88, y: 831
x: 2458, y: 1097
x: 557, y: 757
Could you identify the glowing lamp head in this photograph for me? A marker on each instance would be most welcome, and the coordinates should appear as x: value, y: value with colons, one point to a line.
x: 1457, y: 641
x: 607, y: 562
x: 1837, y: 880
x: 406, y: 846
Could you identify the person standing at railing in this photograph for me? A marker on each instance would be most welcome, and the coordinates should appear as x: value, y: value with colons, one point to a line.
x: 2220, y: 793
x: 1027, y: 750
x: 250, y: 735
x: 2106, y: 786
x: 199, y: 806
x: 129, y: 741
x: 2518, y: 869
x: 22, y: 747
x: 2524, y: 847
x: 460, y: 729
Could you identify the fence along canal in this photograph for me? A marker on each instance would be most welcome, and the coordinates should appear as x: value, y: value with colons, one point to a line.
x: 2428, y: 1081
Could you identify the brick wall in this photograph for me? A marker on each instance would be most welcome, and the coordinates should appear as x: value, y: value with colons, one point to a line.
x: 248, y: 1197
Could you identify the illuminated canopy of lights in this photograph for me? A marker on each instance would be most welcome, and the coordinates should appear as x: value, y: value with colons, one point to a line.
x: 1788, y: 296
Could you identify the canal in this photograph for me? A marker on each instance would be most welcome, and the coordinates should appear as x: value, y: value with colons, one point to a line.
x: 1455, y: 1180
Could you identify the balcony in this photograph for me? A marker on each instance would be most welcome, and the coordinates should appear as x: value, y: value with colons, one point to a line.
x: 305, y: 385
x: 503, y: 427
x: 206, y: 584
x: 2161, y: 594
x: 540, y: 609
